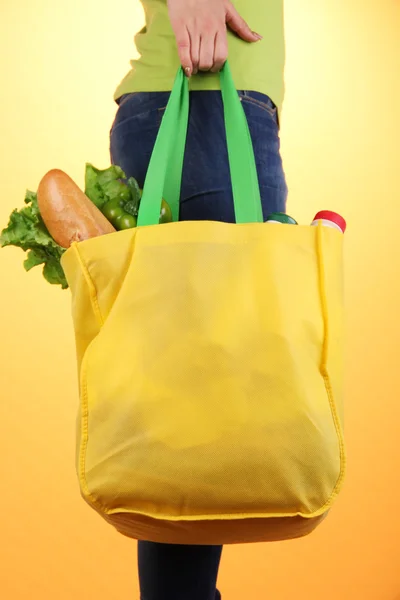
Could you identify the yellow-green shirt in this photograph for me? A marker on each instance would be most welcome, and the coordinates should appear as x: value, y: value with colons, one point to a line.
x: 256, y: 67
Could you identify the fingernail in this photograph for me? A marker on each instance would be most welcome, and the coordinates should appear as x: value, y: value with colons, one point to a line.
x: 188, y: 71
x: 258, y: 36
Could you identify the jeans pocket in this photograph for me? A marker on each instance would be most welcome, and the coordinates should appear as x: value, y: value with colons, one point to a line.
x: 124, y: 98
x: 139, y: 108
x: 260, y: 101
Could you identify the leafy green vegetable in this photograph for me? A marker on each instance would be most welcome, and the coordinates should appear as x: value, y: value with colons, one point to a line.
x: 26, y: 230
x: 117, y: 189
x: 132, y: 208
x: 113, y: 194
x: 104, y: 185
x: 136, y: 193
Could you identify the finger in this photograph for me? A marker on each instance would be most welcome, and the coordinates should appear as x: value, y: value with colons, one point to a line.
x: 220, y: 51
x: 195, y: 51
x: 239, y: 26
x: 206, y: 61
x: 183, y: 43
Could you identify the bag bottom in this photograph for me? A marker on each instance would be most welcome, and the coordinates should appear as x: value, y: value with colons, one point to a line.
x: 221, y: 532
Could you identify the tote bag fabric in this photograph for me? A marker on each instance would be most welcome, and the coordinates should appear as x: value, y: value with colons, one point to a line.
x: 210, y: 360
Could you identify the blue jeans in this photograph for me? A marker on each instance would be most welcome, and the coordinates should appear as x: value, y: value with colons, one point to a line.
x: 206, y: 188
x: 174, y: 572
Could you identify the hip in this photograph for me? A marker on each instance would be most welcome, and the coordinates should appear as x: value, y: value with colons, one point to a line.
x: 206, y: 191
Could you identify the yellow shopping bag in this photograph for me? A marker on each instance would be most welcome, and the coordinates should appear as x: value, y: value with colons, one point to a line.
x: 210, y: 361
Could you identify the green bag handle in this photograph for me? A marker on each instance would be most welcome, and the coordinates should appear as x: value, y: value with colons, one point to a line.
x: 164, y: 174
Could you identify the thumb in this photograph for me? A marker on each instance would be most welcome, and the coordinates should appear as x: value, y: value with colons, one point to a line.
x: 237, y: 24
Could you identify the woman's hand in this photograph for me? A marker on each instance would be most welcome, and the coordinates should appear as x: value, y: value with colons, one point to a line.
x: 200, y: 31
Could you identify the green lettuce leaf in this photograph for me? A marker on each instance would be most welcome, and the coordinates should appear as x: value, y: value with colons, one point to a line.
x: 110, y: 184
x: 26, y: 230
x: 103, y: 185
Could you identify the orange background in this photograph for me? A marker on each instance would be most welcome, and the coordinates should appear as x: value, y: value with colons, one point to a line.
x: 59, y: 64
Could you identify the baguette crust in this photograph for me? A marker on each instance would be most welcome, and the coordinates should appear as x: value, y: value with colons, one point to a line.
x: 67, y: 212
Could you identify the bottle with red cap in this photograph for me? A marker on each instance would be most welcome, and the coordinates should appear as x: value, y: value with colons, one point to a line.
x: 329, y: 218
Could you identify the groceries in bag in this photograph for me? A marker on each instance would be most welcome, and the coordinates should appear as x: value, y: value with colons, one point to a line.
x: 280, y: 217
x: 328, y: 218
x: 68, y: 214
x: 60, y: 213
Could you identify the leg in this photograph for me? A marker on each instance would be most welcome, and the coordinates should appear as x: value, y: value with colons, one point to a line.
x: 172, y: 572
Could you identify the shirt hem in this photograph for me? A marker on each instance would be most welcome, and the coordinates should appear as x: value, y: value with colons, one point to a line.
x: 163, y: 84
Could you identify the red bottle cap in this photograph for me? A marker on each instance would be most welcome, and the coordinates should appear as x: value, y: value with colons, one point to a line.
x: 329, y: 215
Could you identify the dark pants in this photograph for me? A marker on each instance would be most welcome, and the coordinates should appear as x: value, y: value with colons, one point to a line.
x: 169, y: 572
x: 178, y: 572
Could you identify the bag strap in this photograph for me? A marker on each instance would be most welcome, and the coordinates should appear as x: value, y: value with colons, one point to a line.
x: 164, y: 174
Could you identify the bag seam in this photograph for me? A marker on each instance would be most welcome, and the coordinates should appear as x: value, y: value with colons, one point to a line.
x: 83, y: 382
x: 131, y: 250
x: 84, y: 417
x: 210, y: 517
x: 324, y: 369
x: 84, y: 442
x: 92, y: 288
